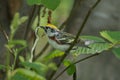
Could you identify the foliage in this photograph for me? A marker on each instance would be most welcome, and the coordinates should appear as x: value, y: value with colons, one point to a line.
x: 50, y: 4
x: 53, y: 54
x: 24, y: 74
x: 16, y: 22
x: 116, y: 51
x: 72, y: 69
x: 37, y: 67
x: 112, y: 36
x: 13, y: 44
x: 95, y: 45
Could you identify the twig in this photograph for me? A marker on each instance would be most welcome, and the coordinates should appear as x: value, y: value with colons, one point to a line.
x: 49, y: 16
x: 88, y: 57
x: 6, y: 37
x: 36, y: 34
x: 75, y: 74
x: 27, y: 28
x: 33, y: 48
x: 39, y: 8
x: 44, y: 12
x: 77, y: 36
x: 4, y: 32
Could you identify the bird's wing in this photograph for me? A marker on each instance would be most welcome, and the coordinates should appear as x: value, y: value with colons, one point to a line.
x: 65, y: 38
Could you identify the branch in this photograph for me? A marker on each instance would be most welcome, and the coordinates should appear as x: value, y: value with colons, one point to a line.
x: 88, y: 57
x: 75, y: 75
x: 6, y: 37
x: 34, y: 45
x: 39, y: 9
x: 27, y: 28
x: 4, y: 32
x: 77, y: 36
x: 36, y: 34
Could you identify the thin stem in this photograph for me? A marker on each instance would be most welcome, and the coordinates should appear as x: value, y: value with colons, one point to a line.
x: 77, y: 36
x: 36, y: 34
x: 75, y: 75
x: 39, y: 8
x: 81, y: 60
x: 27, y: 28
x: 8, y: 65
x: 35, y: 43
x: 14, y: 63
x: 4, y: 32
x: 49, y: 16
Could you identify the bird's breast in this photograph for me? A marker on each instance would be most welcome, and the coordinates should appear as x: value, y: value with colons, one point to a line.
x: 56, y: 44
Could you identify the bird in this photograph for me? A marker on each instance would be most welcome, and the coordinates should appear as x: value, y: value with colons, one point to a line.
x: 60, y: 40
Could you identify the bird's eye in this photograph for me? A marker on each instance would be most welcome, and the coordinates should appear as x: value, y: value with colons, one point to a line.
x: 52, y: 30
x: 47, y: 27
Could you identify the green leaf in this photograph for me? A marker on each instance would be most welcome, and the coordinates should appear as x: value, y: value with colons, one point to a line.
x: 15, y: 23
x: 55, y: 53
x: 116, y: 51
x: 13, y: 43
x: 112, y: 36
x: 23, y: 19
x: 51, y: 4
x: 33, y: 2
x: 92, y: 38
x: 21, y: 58
x: 94, y: 48
x: 71, y: 70
x: 37, y: 67
x: 67, y: 62
x: 17, y: 42
x: 24, y: 74
x: 52, y: 66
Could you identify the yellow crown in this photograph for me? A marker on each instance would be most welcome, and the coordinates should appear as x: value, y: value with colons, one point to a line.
x: 52, y: 26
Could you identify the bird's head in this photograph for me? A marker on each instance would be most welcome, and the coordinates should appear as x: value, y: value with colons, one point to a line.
x: 50, y: 30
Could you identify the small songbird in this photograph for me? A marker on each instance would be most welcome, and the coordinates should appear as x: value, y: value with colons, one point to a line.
x: 59, y: 39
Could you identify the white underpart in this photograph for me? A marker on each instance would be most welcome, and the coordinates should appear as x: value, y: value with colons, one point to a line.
x: 58, y: 46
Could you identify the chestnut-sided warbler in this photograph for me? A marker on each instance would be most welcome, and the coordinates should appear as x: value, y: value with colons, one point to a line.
x: 58, y: 39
